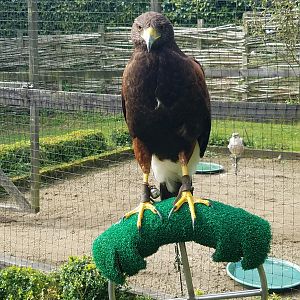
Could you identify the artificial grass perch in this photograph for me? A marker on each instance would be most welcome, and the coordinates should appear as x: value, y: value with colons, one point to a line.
x: 233, y: 232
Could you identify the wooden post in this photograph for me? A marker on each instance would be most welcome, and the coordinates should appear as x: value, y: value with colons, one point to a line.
x: 20, y: 40
x: 200, y: 23
x: 58, y: 49
x: 101, y: 30
x: 34, y: 110
x: 245, y: 55
x: 155, y: 5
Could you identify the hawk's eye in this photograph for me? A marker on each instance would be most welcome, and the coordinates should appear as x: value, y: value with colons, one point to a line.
x: 139, y: 27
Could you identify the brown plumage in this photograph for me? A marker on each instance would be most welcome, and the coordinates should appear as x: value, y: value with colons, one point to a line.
x: 166, y: 105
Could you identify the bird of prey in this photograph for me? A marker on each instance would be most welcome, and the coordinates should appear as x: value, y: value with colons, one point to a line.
x: 166, y: 106
x: 236, y: 148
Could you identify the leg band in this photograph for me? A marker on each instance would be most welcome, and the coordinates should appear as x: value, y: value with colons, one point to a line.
x: 145, y: 193
x: 186, y: 183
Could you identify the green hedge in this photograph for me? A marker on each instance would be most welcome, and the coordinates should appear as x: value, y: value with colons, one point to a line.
x: 217, y: 12
x: 85, y: 15
x: 78, y: 279
x: 25, y: 284
x: 121, y: 138
x: 15, y: 158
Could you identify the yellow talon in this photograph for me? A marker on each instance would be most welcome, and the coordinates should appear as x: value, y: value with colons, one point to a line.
x: 187, y: 197
x: 140, y: 210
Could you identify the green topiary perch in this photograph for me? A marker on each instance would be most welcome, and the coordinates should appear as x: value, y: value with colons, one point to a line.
x: 233, y: 232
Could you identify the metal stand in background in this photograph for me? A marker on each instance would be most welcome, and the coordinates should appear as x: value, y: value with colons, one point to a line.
x: 262, y: 292
x: 177, y: 265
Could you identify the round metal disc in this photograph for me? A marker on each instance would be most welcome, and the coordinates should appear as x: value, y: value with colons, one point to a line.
x: 281, y: 274
x: 208, y: 168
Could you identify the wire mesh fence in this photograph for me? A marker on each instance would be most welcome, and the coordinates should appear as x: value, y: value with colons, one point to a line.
x: 64, y: 144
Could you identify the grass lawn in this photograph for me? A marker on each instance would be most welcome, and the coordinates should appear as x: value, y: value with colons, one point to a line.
x: 256, y: 135
x: 14, y: 127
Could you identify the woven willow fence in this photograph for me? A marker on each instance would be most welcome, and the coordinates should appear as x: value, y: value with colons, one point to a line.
x: 238, y: 66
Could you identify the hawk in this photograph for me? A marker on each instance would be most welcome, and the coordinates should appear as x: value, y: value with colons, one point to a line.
x: 166, y: 105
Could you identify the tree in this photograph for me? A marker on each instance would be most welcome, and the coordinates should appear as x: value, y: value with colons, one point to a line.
x: 277, y: 23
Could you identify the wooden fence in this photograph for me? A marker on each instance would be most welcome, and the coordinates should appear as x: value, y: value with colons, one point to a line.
x: 238, y: 66
x: 83, y: 72
x: 111, y: 104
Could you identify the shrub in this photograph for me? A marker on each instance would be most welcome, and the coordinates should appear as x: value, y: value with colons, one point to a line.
x: 18, y: 283
x: 213, y: 12
x: 75, y: 145
x: 121, y: 138
x: 15, y: 158
x: 67, y: 16
x: 79, y: 279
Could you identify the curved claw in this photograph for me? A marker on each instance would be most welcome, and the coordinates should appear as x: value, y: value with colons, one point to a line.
x: 187, y: 197
x: 171, y: 211
x: 140, y: 211
x: 159, y: 214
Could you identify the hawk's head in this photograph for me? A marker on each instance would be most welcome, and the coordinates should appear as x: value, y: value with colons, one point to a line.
x: 152, y: 30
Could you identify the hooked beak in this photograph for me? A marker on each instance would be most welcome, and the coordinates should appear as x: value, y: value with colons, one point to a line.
x: 150, y: 35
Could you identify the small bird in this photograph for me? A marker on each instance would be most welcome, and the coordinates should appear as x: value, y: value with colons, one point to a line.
x: 236, y: 148
x: 166, y: 106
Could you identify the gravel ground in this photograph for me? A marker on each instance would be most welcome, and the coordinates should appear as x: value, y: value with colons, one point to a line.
x: 76, y: 210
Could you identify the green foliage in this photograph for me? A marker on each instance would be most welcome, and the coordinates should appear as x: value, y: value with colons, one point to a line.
x: 283, y: 17
x: 121, y: 137
x: 216, y: 140
x: 199, y: 292
x: 69, y: 16
x: 257, y: 135
x: 274, y: 296
x: 15, y: 158
x: 13, y: 16
x: 213, y: 12
x: 26, y: 284
x: 75, y: 145
x: 85, y: 15
x: 79, y: 279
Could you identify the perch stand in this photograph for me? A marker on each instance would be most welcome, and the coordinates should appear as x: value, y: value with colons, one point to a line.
x: 234, y: 233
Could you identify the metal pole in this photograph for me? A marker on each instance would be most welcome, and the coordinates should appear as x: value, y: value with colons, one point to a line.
x: 34, y: 110
x: 262, y: 292
x: 227, y: 295
x: 111, y: 290
x: 155, y: 5
x: 187, y: 271
x: 263, y: 282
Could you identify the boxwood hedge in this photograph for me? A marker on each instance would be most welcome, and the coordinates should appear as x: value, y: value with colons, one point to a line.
x: 77, y: 279
x: 15, y: 158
